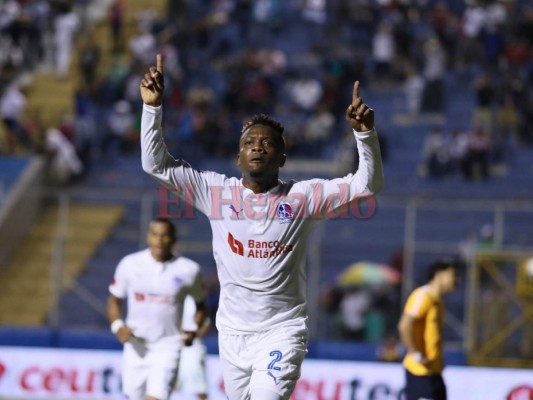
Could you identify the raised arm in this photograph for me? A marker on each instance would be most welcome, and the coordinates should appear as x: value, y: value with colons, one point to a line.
x: 358, y: 114
x: 369, y: 176
x: 177, y: 175
x: 368, y: 179
x: 153, y: 84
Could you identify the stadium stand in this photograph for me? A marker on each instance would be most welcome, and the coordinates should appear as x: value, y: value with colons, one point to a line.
x: 27, y: 286
x: 213, y: 46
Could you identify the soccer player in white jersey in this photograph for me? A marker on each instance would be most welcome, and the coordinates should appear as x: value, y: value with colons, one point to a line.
x: 192, y: 375
x: 155, y: 282
x: 260, y: 226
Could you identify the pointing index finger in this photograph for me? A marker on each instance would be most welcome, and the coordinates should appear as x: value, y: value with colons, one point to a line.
x: 355, y: 95
x: 159, y: 63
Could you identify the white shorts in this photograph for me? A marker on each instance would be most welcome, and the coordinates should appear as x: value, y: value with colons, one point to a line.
x: 150, y: 369
x: 192, y: 377
x: 269, y: 360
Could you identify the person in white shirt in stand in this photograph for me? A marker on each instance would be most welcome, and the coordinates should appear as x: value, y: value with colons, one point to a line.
x: 260, y: 226
x: 155, y: 282
x: 192, y: 375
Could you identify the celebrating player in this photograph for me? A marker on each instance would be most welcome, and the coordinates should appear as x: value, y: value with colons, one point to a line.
x: 155, y: 282
x: 260, y: 226
x: 420, y: 329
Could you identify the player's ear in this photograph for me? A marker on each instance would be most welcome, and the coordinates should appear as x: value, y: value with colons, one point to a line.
x: 282, y: 160
x: 238, y: 160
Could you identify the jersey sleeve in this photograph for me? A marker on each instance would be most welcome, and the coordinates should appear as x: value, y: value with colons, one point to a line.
x: 191, y: 185
x: 197, y: 289
x: 417, y: 304
x: 119, y: 285
x: 330, y: 196
x: 189, y: 309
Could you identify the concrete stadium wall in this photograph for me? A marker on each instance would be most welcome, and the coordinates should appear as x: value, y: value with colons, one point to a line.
x: 21, y: 208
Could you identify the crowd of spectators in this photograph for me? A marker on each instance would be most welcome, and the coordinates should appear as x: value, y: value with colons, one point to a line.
x: 37, y: 35
x: 492, y: 57
x: 228, y: 59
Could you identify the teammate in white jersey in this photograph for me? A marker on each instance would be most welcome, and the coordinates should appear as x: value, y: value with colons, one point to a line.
x: 192, y: 375
x: 155, y: 282
x: 260, y: 226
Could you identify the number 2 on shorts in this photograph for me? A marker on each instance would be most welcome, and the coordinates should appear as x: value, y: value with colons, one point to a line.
x: 277, y: 357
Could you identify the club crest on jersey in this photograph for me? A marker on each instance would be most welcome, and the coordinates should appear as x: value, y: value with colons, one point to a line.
x: 177, y: 281
x: 285, y: 213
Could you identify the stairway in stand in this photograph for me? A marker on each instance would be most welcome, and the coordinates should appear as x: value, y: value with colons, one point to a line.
x: 26, y: 286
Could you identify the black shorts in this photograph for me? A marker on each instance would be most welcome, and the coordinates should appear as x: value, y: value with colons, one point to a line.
x: 426, y: 387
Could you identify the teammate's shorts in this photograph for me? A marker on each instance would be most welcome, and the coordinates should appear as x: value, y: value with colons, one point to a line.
x: 192, y: 377
x: 424, y: 387
x: 269, y: 360
x: 150, y: 369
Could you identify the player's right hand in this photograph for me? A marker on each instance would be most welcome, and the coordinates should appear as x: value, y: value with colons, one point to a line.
x: 124, y: 334
x: 152, y: 84
x: 188, y: 337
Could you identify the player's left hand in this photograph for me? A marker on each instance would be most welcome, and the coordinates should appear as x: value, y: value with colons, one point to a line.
x: 188, y: 337
x: 124, y: 334
x: 358, y: 114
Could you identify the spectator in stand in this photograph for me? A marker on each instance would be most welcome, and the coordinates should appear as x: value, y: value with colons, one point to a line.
x: 314, y: 14
x: 457, y: 150
x: 383, y: 52
x: 413, y: 88
x: 64, y: 162
x: 469, y: 50
x: 89, y: 60
x: 434, y: 69
x: 507, y: 123
x: 116, y: 21
x: 318, y: 130
x: 354, y: 306
x: 435, y: 152
x: 305, y: 91
x: 143, y: 45
x: 483, y: 113
x: 121, y: 135
x: 477, y: 158
x: 12, y: 104
x: 65, y: 26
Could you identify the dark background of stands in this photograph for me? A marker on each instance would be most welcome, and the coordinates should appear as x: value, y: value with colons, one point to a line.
x: 233, y: 59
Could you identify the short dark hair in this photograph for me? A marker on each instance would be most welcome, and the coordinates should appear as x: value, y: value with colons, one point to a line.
x: 440, y: 265
x: 171, y: 226
x: 263, y: 119
x: 267, y: 120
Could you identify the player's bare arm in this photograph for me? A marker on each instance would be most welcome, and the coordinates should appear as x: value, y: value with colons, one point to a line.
x: 114, y: 314
x: 358, y: 114
x: 201, y: 313
x: 200, y: 318
x: 152, y: 84
x: 405, y: 328
x: 204, y: 328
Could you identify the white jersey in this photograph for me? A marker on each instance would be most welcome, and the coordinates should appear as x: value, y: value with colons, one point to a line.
x: 155, y: 292
x: 259, y: 239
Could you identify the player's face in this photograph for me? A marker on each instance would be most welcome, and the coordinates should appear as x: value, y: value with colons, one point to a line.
x: 160, y: 240
x: 260, y: 151
x: 448, y: 280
